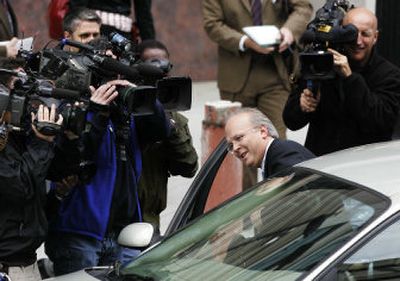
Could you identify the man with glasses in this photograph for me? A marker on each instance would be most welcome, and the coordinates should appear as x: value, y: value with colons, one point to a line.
x: 254, y: 140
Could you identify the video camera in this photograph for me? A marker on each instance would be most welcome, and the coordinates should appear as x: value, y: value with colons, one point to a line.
x: 91, y: 66
x: 28, y: 92
x: 323, y: 32
x: 61, y: 77
x: 56, y: 76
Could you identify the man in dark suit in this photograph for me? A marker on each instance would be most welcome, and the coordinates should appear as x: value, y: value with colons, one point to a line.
x: 253, y: 139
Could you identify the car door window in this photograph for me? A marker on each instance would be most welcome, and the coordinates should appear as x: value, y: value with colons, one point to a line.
x: 379, y: 259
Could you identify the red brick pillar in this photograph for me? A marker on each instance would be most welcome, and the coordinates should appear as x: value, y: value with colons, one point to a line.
x: 228, y: 181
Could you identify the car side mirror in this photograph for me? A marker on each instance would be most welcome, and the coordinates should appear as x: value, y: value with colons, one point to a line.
x: 136, y: 235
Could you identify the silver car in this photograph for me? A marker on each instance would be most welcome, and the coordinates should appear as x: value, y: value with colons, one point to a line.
x: 336, y: 217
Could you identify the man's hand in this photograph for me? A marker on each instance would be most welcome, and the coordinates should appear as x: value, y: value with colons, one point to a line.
x: 46, y: 116
x: 286, y: 39
x: 250, y: 44
x: 106, y: 93
x: 309, y: 103
x: 64, y: 187
x: 11, y: 48
x: 340, y: 63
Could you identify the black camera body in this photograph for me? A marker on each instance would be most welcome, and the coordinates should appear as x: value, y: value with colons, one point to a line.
x: 26, y: 96
x: 77, y: 71
x: 56, y: 76
x: 323, y: 32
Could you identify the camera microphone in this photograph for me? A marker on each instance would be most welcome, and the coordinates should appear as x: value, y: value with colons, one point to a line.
x: 76, y: 44
x: 147, y: 69
x: 132, y: 72
x: 61, y: 93
x: 58, y: 93
x: 13, y: 73
x: 335, y: 35
x: 113, y: 65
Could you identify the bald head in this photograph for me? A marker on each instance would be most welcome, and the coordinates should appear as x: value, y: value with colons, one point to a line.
x: 367, y: 25
x: 361, y: 13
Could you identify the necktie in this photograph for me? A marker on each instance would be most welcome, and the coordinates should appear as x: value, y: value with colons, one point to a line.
x: 256, y: 12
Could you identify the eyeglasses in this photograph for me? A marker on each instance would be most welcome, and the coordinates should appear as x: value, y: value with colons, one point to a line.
x: 239, y: 138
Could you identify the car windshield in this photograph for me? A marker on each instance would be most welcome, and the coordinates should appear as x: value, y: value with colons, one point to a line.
x: 278, y: 230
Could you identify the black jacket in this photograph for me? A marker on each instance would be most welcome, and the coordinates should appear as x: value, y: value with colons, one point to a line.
x: 283, y: 154
x: 23, y: 225
x: 356, y: 110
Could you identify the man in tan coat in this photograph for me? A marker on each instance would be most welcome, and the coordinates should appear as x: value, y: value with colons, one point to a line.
x: 255, y: 76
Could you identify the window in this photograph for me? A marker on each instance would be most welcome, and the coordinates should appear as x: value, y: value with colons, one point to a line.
x: 379, y: 259
x: 280, y: 229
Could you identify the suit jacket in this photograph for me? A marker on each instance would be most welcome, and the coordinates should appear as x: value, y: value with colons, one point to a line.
x: 223, y: 21
x: 283, y: 154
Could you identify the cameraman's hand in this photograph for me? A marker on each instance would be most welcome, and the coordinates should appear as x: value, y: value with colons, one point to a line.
x: 309, y: 103
x: 250, y: 44
x: 286, y: 39
x: 104, y: 94
x: 341, y: 63
x: 11, y: 48
x: 64, y: 187
x: 44, y: 115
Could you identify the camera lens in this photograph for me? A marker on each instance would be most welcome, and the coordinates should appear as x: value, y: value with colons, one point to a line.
x: 120, y: 42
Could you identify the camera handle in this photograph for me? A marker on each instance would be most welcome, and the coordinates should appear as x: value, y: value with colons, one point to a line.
x: 314, y: 86
x: 47, y: 128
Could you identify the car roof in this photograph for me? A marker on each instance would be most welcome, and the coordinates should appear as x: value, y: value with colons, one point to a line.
x: 376, y: 166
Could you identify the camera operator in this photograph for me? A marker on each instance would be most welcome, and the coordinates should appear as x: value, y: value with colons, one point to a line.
x: 82, y: 25
x: 24, y: 160
x: 91, y: 213
x: 173, y: 156
x: 360, y: 105
x: 116, y: 16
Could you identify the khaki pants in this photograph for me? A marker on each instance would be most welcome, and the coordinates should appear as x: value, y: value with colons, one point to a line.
x: 264, y: 90
x: 24, y: 273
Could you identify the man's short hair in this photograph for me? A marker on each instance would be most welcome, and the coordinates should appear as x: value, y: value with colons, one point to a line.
x: 151, y: 44
x: 72, y: 18
x: 257, y: 118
